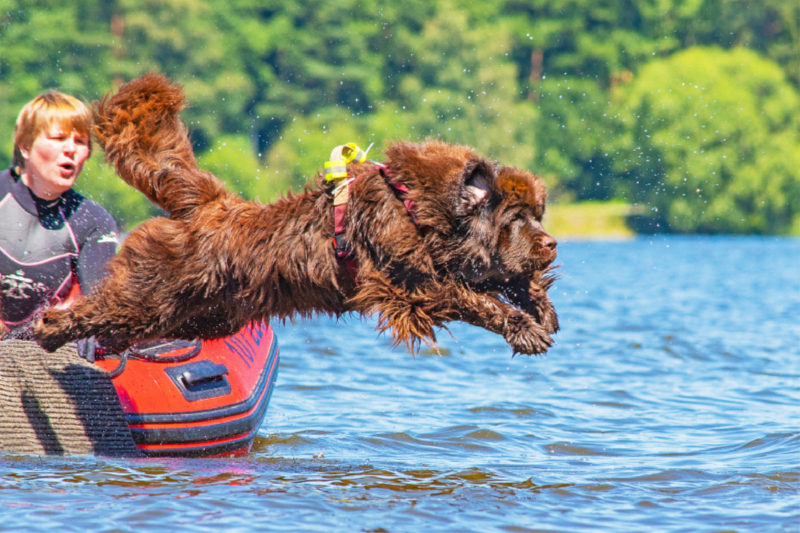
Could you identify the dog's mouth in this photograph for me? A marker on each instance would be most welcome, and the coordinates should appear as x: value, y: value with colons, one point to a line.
x: 545, y: 263
x: 474, y: 274
x: 498, y: 273
x: 511, y: 285
x: 540, y: 258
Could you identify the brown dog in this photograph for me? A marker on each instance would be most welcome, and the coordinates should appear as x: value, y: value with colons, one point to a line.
x: 471, y: 247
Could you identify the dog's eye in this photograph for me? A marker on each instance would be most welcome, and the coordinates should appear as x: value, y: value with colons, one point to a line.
x: 519, y: 220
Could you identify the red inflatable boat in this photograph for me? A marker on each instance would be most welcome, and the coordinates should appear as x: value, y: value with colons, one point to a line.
x: 198, y: 398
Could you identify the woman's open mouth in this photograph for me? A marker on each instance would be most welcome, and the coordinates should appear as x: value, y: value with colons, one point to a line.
x: 67, y: 169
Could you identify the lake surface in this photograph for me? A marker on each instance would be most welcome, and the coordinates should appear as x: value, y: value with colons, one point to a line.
x: 670, y: 403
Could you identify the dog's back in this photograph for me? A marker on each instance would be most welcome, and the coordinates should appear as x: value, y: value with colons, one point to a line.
x: 144, y: 138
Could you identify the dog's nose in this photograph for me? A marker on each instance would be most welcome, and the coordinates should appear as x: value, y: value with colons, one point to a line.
x: 549, y: 242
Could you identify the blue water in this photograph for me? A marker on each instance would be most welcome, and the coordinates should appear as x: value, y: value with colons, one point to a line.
x: 670, y: 403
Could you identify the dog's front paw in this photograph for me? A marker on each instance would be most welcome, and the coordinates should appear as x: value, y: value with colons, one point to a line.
x: 542, y: 308
x: 525, y: 335
x: 54, y: 329
x: 549, y: 317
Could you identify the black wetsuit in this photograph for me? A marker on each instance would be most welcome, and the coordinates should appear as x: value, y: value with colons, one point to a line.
x: 45, y: 248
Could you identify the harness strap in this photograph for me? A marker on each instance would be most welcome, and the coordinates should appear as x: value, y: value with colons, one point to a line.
x: 336, y: 170
x: 402, y: 191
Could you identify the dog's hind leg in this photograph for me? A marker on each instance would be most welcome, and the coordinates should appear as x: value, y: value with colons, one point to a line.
x: 123, y: 312
x: 89, y: 317
x: 144, y: 319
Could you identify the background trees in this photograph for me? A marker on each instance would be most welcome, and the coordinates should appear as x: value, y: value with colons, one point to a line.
x: 566, y: 88
x: 710, y: 142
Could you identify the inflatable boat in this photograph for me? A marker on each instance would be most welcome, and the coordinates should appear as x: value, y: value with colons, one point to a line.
x: 200, y: 398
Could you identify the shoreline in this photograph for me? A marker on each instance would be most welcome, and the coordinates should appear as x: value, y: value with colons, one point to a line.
x: 593, y: 220
x: 608, y: 221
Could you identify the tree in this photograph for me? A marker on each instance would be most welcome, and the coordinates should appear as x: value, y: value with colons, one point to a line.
x: 457, y: 85
x: 711, y: 143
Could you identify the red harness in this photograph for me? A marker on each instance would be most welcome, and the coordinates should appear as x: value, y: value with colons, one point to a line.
x: 343, y: 249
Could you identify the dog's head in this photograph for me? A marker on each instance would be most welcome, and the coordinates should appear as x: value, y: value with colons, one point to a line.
x: 480, y: 220
x: 523, y: 245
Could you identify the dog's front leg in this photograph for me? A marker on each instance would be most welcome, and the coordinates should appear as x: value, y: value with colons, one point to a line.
x: 409, y: 314
x: 520, y: 330
x: 530, y: 295
x: 545, y: 311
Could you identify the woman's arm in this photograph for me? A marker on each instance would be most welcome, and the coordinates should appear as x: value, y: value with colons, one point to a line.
x: 100, y: 246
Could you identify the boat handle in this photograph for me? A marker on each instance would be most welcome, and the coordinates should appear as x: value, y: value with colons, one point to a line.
x: 203, y: 374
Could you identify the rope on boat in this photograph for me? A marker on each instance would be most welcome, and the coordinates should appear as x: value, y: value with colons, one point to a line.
x: 58, y: 404
x: 123, y: 362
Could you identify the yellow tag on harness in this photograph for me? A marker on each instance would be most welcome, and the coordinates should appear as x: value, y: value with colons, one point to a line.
x: 336, y: 167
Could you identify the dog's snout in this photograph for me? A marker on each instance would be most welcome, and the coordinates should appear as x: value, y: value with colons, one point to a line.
x: 549, y: 242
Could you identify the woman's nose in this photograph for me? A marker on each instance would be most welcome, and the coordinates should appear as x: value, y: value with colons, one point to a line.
x: 69, y: 146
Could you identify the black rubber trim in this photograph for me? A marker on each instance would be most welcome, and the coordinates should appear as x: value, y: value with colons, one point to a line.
x: 200, y: 451
x: 246, y: 424
x: 135, y: 419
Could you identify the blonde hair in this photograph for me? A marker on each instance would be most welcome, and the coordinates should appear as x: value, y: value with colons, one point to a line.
x: 43, y: 112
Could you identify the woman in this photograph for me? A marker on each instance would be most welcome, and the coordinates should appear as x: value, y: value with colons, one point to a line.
x: 54, y: 242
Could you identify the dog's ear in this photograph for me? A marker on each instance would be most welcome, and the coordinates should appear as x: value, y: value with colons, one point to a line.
x: 522, y: 186
x: 476, y: 184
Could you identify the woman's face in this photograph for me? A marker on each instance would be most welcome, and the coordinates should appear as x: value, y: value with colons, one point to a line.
x: 54, y: 161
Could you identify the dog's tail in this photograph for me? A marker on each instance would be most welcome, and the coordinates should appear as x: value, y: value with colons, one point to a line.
x: 147, y: 143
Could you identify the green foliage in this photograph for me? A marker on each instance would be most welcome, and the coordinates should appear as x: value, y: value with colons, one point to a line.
x: 711, y: 142
x: 465, y: 89
x: 232, y: 159
x: 575, y: 127
x: 461, y: 89
x: 274, y: 85
x: 592, y: 219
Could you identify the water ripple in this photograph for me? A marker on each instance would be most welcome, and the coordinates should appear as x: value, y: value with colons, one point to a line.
x: 669, y: 404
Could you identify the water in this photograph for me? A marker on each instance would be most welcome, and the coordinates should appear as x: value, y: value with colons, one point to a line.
x: 671, y: 403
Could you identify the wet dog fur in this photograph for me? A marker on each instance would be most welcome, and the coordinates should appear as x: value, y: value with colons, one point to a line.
x: 477, y: 252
